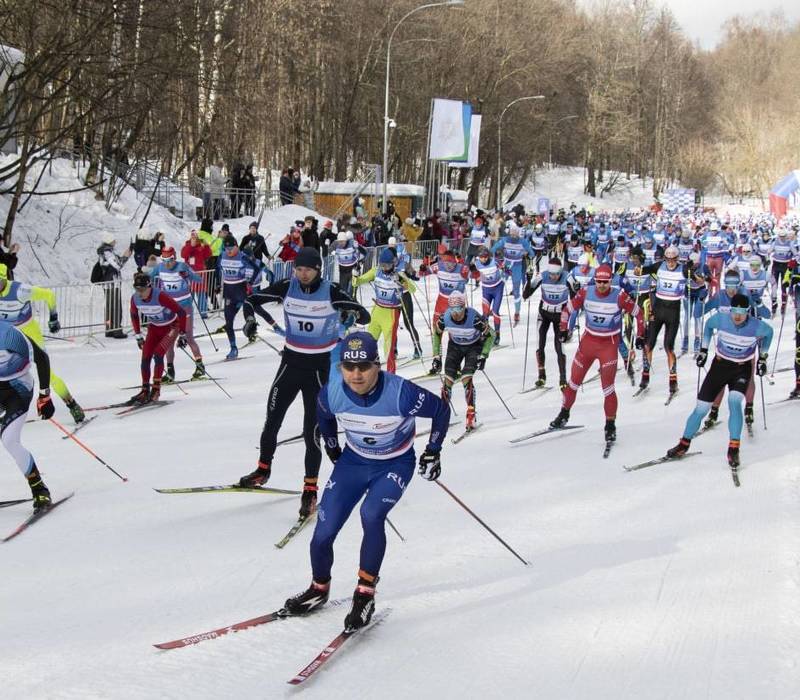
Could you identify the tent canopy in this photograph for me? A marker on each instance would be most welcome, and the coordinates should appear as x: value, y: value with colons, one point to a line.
x: 780, y: 193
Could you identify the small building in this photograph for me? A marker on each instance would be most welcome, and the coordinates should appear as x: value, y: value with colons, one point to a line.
x: 332, y: 198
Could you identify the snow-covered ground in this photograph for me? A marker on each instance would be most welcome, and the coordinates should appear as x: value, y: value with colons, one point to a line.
x: 662, y: 583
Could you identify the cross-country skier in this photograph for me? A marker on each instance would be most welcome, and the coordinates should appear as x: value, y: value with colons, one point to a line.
x: 377, y: 411
x: 16, y: 394
x: 312, y: 308
x: 603, y: 306
x: 15, y: 307
x: 740, y: 337
x: 404, y: 265
x: 492, y: 287
x: 555, y: 294
x: 166, y: 322
x: 515, y: 248
x: 174, y: 277
x: 388, y: 287
x: 237, y: 272
x: 471, y: 341
x: 451, y: 275
x: 347, y: 255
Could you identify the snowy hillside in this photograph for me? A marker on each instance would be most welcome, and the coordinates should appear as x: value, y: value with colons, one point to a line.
x: 662, y: 583
x: 64, y: 230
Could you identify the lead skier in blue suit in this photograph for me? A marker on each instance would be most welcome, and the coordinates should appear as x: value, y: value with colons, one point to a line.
x: 377, y: 411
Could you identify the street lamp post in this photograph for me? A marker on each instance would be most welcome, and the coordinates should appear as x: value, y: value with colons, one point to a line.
x: 499, y: 139
x: 550, y: 140
x: 386, y: 120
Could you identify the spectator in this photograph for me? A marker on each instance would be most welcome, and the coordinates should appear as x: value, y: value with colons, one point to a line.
x: 286, y: 186
x: 237, y: 190
x: 9, y: 258
x: 216, y: 188
x: 327, y: 238
x: 142, y: 249
x: 195, y: 254
x: 307, y: 189
x: 111, y: 265
x: 410, y: 231
x: 296, y: 182
x: 159, y: 243
x: 291, y: 245
x: 249, y: 185
x: 309, y: 233
x: 254, y: 244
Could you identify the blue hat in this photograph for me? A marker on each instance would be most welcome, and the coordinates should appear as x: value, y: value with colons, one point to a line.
x: 360, y: 347
x: 387, y: 257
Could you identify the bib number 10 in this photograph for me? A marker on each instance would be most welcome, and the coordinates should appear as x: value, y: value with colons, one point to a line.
x: 305, y: 326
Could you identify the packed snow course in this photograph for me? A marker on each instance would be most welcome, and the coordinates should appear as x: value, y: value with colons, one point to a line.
x: 667, y: 582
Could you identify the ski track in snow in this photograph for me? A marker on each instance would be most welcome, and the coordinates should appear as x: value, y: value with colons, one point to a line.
x: 663, y: 583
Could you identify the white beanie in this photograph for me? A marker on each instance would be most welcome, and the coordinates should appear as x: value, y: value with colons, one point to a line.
x: 392, y: 240
x: 341, y: 236
x: 108, y: 238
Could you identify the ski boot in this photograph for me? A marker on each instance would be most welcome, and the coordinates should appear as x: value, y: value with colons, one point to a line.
x: 774, y: 308
x: 696, y: 345
x: 363, y: 606
x: 233, y: 354
x: 673, y: 386
x: 256, y: 478
x: 142, y: 397
x: 314, y: 597
x: 542, y: 379
x: 685, y: 346
x: 76, y: 411
x: 645, y: 381
x: 155, y: 391
x: 561, y: 419
x: 733, y: 453
x: 40, y: 493
x: 748, y: 414
x: 630, y: 371
x: 308, y: 499
x: 713, y: 417
x: 169, y: 375
x: 417, y: 354
x: 611, y: 430
x: 470, y: 420
x: 795, y: 393
x: 516, y: 320
x: 199, y: 370
x: 680, y: 449
x: 496, y: 338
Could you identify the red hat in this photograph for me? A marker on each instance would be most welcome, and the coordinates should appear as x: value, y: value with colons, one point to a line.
x: 167, y: 253
x: 603, y: 273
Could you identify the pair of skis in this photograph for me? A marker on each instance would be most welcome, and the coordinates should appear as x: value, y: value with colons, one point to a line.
x: 282, y: 614
x: 34, y: 517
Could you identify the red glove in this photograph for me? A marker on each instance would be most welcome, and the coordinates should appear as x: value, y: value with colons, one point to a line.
x: 44, y: 405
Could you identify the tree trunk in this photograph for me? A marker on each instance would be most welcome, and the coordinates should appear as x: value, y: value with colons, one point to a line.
x: 18, y: 190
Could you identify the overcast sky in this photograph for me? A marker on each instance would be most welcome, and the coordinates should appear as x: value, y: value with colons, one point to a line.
x: 702, y: 19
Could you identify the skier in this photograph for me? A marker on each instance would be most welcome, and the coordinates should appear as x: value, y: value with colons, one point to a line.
x: 478, y: 238
x: 16, y: 394
x: 237, y: 272
x: 670, y: 288
x: 514, y: 250
x: 404, y: 265
x: 604, y: 307
x: 451, y: 275
x: 694, y: 303
x: 740, y: 337
x: 471, y: 341
x: 716, y: 248
x: 312, y: 307
x: 782, y: 254
x: 174, y: 278
x: 555, y: 294
x: 492, y: 287
x: 15, y: 308
x: 388, y: 287
x: 347, y: 258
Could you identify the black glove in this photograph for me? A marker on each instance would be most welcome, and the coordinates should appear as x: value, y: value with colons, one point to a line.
x: 702, y: 357
x: 761, y: 365
x: 54, y: 325
x: 481, y: 362
x: 140, y: 340
x: 333, y: 450
x: 563, y: 335
x: 527, y: 291
x: 182, y: 340
x: 430, y: 459
x: 639, y: 342
x: 250, y: 327
x: 44, y: 405
x: 436, y: 365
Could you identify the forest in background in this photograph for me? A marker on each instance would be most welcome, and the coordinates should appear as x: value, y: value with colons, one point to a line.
x: 278, y: 83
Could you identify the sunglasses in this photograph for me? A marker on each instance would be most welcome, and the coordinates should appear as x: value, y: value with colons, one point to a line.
x: 602, y: 281
x: 457, y: 309
x: 739, y: 310
x: 360, y: 366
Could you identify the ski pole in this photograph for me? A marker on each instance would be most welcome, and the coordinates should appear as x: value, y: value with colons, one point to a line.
x: 266, y: 342
x: 186, y: 352
x: 527, y: 336
x: 510, y: 320
x: 763, y: 404
x: 397, y: 532
x: 213, y: 344
x: 494, y: 534
x: 778, y: 346
x: 72, y: 437
x: 498, y: 395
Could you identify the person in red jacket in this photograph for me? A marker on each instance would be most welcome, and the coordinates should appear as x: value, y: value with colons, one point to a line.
x: 195, y: 253
x: 291, y: 245
x: 166, y: 321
